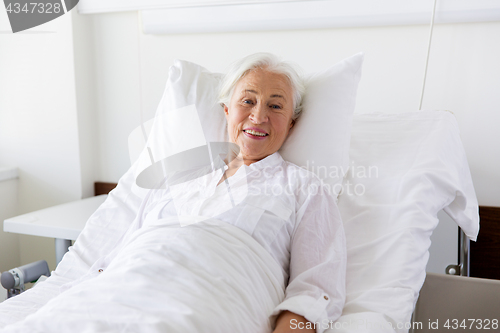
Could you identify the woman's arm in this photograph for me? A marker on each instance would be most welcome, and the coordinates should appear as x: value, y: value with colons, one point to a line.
x: 316, y: 287
x: 289, y: 322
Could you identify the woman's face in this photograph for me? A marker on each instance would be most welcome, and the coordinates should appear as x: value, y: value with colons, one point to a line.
x: 259, y: 114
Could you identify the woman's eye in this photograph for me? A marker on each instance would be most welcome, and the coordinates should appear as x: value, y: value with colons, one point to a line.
x: 277, y: 107
x: 247, y: 101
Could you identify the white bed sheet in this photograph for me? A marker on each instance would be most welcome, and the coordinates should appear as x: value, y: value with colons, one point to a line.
x: 172, y: 285
x: 101, y: 233
x: 405, y: 168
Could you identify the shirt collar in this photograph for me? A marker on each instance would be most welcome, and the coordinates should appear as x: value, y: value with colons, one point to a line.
x: 268, y: 161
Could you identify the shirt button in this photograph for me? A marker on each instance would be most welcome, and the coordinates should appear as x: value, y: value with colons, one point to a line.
x: 100, y: 270
x: 325, y: 297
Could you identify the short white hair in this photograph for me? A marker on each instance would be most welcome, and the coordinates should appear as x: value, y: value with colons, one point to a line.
x: 268, y: 62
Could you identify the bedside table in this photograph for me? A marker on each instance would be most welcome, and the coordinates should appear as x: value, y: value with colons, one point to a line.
x: 62, y: 222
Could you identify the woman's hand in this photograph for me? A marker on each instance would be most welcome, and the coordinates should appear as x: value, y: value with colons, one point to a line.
x: 289, y: 322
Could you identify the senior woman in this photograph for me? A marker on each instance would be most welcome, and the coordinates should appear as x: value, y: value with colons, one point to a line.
x: 286, y: 209
x: 261, y: 96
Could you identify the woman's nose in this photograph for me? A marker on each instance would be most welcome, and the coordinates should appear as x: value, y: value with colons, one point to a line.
x: 259, y: 114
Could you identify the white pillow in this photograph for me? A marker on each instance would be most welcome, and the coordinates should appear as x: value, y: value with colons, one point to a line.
x: 319, y: 140
x: 405, y: 168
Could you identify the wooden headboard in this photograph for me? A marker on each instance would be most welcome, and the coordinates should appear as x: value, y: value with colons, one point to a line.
x: 485, y: 253
x: 103, y: 188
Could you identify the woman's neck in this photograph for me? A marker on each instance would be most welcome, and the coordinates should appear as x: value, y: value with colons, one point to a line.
x: 232, y: 166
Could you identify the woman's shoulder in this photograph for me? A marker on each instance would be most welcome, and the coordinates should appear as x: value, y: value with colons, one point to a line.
x: 301, y: 173
x: 307, y: 187
x: 291, y: 183
x: 275, y: 169
x: 305, y: 183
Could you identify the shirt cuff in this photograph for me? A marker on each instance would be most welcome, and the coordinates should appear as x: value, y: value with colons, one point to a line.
x: 311, y: 308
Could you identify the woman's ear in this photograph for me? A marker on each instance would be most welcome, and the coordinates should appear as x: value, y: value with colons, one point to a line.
x: 292, y: 123
x: 225, y: 109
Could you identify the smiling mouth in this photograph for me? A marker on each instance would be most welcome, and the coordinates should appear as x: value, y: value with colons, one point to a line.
x: 255, y: 133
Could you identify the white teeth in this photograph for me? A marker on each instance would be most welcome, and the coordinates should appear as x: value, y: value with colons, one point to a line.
x: 255, y: 133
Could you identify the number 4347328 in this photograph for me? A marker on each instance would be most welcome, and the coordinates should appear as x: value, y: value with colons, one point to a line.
x: 479, y: 324
x: 34, y: 7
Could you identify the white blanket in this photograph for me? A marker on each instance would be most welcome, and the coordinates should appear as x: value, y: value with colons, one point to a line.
x: 205, y: 277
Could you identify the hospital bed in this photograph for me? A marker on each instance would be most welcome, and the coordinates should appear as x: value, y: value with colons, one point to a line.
x: 449, y: 302
x: 393, y: 173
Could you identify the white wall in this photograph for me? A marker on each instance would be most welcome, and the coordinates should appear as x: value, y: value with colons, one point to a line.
x: 9, y: 243
x: 38, y: 122
x: 463, y: 77
x: 108, y: 82
x: 86, y: 100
